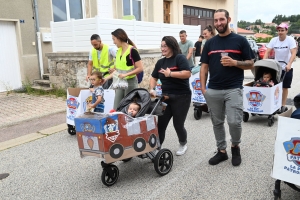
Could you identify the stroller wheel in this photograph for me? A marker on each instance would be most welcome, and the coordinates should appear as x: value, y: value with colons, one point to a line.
x: 110, y: 175
x: 71, y: 130
x: 197, y: 113
x: 163, y: 162
x: 245, y: 116
x: 271, y: 120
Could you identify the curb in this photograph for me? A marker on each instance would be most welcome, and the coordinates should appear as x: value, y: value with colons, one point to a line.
x: 32, y: 136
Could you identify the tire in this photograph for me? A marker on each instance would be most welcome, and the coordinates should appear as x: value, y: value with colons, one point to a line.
x: 71, y: 129
x: 116, y: 151
x: 110, y: 175
x: 163, y: 162
x: 245, y: 116
x: 197, y: 113
x: 152, y: 141
x: 139, y: 144
x: 271, y: 120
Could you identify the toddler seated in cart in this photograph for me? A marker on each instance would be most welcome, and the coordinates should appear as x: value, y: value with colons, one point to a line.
x: 265, y: 80
x: 133, y: 109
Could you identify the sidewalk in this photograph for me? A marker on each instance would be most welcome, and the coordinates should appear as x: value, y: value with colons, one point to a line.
x: 18, y: 107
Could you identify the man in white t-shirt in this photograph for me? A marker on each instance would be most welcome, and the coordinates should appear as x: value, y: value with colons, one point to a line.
x: 104, y: 64
x: 285, y: 53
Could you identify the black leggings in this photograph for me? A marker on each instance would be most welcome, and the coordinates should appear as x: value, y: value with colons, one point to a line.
x: 178, y: 107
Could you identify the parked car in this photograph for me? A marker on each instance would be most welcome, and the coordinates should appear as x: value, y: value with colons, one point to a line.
x: 262, y: 48
x: 254, y: 48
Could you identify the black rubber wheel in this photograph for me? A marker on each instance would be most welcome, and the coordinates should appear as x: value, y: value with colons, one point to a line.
x: 110, y: 175
x: 245, y: 116
x: 126, y: 160
x: 163, y: 162
x: 271, y: 121
x: 116, y: 151
x: 152, y: 141
x: 197, y: 113
x: 139, y: 144
x: 71, y: 129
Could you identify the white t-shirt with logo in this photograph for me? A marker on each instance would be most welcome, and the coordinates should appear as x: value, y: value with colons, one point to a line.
x: 282, y: 49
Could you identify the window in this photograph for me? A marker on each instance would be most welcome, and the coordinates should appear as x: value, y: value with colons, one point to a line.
x: 192, y: 12
x: 133, y: 7
x: 188, y: 11
x: 184, y: 11
x: 64, y: 10
x: 196, y: 12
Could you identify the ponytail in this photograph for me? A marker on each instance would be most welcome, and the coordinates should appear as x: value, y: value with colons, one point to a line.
x: 131, y: 43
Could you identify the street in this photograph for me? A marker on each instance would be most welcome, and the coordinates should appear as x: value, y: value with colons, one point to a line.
x: 51, y: 167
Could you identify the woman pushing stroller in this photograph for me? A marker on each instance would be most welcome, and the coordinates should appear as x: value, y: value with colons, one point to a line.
x: 173, y: 71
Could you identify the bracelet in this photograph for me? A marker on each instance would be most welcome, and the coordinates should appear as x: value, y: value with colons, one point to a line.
x: 170, y: 74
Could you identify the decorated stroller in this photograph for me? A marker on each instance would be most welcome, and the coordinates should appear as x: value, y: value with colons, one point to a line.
x: 263, y: 100
x: 117, y: 136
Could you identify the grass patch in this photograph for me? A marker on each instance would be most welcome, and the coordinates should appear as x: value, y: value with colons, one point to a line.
x: 27, y: 88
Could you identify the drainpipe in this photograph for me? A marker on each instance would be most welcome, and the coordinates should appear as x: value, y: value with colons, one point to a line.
x: 37, y: 38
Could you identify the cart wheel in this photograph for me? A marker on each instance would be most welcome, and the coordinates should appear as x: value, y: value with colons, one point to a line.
x: 110, y: 175
x: 270, y: 120
x: 126, y: 160
x: 163, y: 162
x: 71, y: 130
x: 245, y: 116
x: 197, y: 113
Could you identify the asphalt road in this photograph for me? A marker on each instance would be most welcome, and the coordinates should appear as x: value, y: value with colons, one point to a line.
x: 51, y: 168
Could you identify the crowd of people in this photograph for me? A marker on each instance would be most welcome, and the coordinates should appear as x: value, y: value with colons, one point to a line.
x: 224, y: 56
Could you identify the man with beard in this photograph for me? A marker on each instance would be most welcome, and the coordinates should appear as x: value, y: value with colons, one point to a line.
x: 226, y: 56
x: 285, y: 53
x: 101, y: 58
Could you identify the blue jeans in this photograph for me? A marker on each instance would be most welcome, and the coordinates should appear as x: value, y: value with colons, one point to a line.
x: 229, y: 102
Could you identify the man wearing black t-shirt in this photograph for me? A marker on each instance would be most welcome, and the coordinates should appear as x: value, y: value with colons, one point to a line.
x: 197, y: 48
x: 225, y: 56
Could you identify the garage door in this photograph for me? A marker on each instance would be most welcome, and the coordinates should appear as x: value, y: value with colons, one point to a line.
x: 10, y: 77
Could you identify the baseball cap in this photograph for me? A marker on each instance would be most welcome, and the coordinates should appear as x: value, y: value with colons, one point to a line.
x: 282, y: 25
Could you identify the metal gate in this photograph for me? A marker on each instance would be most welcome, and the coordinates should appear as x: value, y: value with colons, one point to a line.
x: 10, y: 76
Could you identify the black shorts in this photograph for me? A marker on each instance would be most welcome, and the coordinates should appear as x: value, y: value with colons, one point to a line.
x: 287, y: 81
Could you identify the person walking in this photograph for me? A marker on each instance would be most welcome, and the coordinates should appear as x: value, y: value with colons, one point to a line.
x: 208, y: 33
x: 225, y: 93
x: 285, y: 53
x: 186, y: 47
x: 174, y: 72
x: 197, y: 48
x: 128, y: 64
x: 101, y: 58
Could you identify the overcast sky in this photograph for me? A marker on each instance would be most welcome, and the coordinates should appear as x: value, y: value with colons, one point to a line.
x: 250, y: 10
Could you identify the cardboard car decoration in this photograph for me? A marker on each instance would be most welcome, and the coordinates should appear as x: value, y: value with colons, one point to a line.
x: 115, y: 136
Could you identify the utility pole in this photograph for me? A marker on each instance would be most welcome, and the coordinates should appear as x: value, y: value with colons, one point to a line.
x: 37, y: 30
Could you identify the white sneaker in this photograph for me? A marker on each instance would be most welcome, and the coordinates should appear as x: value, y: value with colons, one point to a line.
x: 182, y: 149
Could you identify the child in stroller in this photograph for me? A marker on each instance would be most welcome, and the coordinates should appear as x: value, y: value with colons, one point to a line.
x: 265, y: 80
x: 117, y: 136
x: 133, y: 109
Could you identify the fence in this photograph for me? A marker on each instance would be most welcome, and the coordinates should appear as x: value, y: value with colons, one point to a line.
x: 74, y: 35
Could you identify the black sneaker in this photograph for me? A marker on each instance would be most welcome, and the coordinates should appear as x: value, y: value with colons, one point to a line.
x: 219, y: 157
x: 283, y: 109
x: 236, y: 156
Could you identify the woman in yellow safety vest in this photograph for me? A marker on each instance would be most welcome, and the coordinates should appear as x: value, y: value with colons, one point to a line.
x: 128, y: 63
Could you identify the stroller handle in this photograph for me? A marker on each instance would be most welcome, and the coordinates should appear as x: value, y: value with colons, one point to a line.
x: 160, y: 99
x: 284, y: 70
